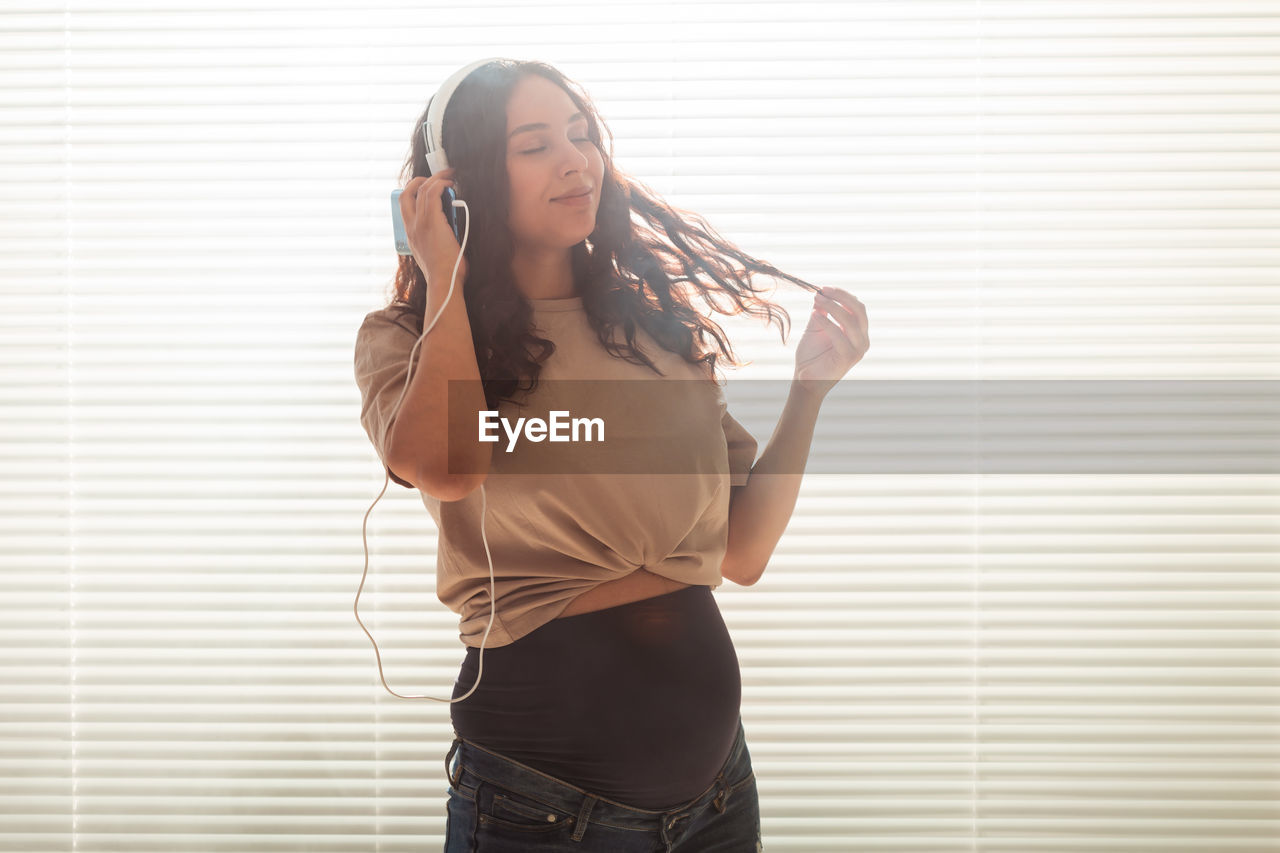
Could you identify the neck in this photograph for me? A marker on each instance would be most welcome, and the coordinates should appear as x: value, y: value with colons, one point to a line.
x: 544, y: 274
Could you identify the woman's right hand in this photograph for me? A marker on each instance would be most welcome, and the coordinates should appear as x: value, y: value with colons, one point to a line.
x: 434, y: 246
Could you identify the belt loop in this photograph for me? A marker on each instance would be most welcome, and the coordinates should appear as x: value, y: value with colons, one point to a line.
x: 449, y: 773
x: 587, y: 805
x: 663, y: 827
x: 722, y: 796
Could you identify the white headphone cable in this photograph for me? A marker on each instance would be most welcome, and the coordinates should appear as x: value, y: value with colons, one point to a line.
x: 387, y: 479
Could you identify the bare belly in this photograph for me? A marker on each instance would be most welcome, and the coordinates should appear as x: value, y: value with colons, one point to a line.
x: 633, y: 587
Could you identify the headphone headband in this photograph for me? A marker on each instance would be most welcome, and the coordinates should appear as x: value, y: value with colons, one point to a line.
x: 433, y: 127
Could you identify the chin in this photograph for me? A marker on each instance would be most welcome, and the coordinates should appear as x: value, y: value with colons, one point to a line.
x: 577, y: 238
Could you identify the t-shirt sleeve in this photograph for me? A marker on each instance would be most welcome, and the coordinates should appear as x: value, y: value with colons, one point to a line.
x: 742, y: 445
x: 742, y: 449
x: 381, y: 366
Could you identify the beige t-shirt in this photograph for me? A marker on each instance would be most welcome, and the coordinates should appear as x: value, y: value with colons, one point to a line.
x: 556, y: 535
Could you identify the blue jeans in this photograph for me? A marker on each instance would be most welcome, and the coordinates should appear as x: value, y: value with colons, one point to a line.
x: 497, y: 805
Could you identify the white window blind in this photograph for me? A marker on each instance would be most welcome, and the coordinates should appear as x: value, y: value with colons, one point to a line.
x: 195, y: 215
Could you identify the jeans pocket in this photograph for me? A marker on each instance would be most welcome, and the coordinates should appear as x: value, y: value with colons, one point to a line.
x: 508, y: 810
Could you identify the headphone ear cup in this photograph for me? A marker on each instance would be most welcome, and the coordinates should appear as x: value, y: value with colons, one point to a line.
x: 433, y: 127
x: 436, y: 160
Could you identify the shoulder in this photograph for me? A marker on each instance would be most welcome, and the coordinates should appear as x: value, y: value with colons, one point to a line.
x: 393, y: 322
x: 396, y: 314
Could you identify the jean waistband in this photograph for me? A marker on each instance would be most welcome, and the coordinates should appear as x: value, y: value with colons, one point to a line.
x: 484, y: 765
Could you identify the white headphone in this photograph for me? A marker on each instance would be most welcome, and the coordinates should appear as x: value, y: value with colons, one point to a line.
x: 433, y: 133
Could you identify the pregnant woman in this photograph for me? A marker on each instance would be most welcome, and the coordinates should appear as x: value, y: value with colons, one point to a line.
x: 608, y: 715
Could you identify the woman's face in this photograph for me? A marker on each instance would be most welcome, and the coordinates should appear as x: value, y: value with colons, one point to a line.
x: 550, y: 160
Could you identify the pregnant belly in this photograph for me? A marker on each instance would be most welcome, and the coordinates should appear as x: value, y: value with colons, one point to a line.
x: 638, y: 703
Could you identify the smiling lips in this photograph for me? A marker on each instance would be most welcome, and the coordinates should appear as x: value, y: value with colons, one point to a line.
x: 585, y: 191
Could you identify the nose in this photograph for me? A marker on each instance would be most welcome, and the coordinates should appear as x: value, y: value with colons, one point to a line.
x: 575, y: 159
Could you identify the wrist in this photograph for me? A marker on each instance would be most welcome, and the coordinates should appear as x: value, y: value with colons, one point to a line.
x: 439, y: 277
x: 809, y: 392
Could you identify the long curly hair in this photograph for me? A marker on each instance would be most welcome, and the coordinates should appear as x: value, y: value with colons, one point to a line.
x: 628, y: 273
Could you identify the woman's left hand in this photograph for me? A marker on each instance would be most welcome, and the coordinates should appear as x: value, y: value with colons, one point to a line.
x: 835, y: 340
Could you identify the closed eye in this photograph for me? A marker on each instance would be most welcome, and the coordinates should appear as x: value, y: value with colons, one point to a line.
x: 544, y: 148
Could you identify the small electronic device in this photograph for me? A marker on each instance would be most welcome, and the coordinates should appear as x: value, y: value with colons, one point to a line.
x: 454, y: 215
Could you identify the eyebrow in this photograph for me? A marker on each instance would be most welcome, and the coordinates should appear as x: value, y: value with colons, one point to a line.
x: 543, y: 125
